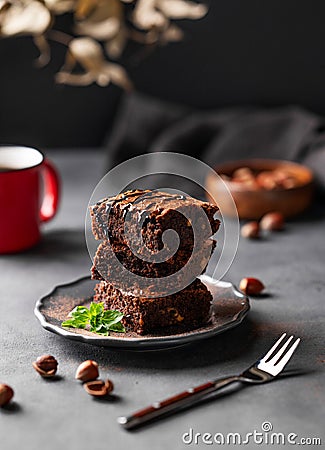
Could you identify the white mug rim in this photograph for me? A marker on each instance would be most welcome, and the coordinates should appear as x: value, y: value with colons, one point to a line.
x: 6, y: 147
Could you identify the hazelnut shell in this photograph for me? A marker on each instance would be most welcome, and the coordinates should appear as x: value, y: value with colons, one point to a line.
x: 99, y: 388
x: 46, y: 366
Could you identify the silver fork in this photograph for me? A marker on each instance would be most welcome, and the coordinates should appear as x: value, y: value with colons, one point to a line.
x: 263, y: 370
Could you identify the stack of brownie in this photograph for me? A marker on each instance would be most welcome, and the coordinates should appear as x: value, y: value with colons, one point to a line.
x: 116, y: 222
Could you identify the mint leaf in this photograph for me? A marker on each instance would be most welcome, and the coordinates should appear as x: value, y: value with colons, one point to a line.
x: 74, y: 323
x: 117, y: 327
x: 79, y: 318
x: 80, y: 310
x: 98, y: 320
x: 112, y: 316
x: 96, y: 309
x: 102, y: 330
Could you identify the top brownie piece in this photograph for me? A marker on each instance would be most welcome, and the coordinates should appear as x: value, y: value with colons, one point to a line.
x: 152, y: 212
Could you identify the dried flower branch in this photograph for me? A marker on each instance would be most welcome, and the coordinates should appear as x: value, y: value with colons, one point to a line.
x: 104, y: 27
x: 89, y: 54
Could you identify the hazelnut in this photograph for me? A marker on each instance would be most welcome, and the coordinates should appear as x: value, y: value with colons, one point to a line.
x: 99, y: 388
x: 272, y: 221
x: 289, y: 183
x: 251, y: 286
x: 87, y: 371
x: 46, y: 366
x: 251, y: 184
x: 245, y: 176
x: 250, y: 230
x: 6, y: 394
x: 285, y: 179
x: 266, y: 180
x: 243, y: 173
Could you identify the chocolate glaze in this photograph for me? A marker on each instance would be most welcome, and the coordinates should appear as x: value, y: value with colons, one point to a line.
x: 153, y: 209
x: 132, y: 195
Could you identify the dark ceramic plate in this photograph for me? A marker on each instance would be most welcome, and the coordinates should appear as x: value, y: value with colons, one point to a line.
x: 229, y: 307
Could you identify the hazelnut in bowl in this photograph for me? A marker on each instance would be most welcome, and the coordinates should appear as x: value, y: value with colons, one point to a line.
x: 260, y: 186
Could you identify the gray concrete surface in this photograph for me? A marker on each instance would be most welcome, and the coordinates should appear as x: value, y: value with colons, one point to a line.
x: 58, y: 414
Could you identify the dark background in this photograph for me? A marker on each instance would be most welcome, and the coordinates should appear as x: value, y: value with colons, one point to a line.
x: 244, y: 52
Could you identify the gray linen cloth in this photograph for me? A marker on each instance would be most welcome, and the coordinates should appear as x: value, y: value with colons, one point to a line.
x: 144, y: 124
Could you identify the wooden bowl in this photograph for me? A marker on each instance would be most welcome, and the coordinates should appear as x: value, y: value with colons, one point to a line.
x: 254, y: 203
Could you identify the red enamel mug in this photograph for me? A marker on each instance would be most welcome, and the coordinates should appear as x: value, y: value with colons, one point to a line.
x: 29, y: 196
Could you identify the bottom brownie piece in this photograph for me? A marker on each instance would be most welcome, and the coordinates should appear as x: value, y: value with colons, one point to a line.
x: 186, y: 309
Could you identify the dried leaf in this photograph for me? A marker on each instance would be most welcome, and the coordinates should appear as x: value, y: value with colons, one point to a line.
x: 4, y: 6
x: 148, y: 38
x: 172, y: 34
x: 181, y: 9
x: 69, y: 63
x: 31, y: 18
x: 104, y: 22
x: 146, y: 16
x: 118, y: 76
x: 115, y: 46
x: 84, y: 8
x: 87, y: 52
x: 99, y: 30
x: 60, y: 6
x: 74, y: 79
x: 44, y: 49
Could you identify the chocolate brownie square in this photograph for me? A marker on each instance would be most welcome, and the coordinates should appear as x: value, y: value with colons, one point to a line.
x: 184, y: 310
x: 139, y: 218
x: 107, y: 259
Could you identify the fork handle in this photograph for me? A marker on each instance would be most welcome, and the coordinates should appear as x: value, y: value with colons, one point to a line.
x: 175, y: 403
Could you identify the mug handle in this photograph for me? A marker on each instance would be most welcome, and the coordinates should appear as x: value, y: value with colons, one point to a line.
x: 51, y: 191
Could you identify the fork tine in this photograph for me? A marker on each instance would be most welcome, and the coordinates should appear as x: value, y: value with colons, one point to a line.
x: 280, y: 365
x: 270, y: 352
x: 276, y: 358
